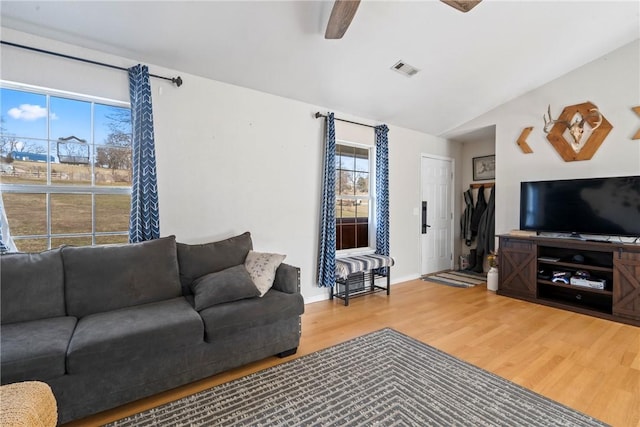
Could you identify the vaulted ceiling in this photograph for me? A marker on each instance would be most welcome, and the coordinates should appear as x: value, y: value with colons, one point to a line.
x: 469, y: 62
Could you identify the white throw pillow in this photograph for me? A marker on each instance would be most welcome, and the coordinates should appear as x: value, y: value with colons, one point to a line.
x: 262, y: 269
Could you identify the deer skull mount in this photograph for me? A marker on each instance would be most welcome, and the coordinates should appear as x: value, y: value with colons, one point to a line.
x: 574, y: 118
x: 576, y: 128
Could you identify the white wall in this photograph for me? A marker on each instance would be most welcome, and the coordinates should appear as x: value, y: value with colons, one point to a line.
x: 610, y: 82
x: 231, y: 159
x: 405, y: 197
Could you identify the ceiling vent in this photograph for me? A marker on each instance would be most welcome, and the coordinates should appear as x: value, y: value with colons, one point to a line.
x: 405, y: 69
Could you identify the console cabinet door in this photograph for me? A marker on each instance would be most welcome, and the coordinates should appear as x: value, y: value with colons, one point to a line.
x: 517, y: 267
x: 626, y: 284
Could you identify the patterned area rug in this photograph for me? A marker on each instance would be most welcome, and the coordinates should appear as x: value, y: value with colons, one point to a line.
x: 380, y: 379
x: 458, y: 279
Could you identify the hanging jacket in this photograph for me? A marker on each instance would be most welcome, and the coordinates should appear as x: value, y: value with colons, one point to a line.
x: 465, y: 220
x: 478, y: 211
x: 487, y: 228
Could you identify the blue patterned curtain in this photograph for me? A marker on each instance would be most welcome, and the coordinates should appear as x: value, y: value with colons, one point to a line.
x: 144, y: 223
x: 327, y: 252
x: 382, y: 190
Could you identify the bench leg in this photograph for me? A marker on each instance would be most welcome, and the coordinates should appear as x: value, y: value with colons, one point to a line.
x: 346, y: 292
x: 388, y: 281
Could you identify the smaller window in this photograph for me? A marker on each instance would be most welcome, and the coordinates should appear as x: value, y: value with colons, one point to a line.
x: 354, y: 200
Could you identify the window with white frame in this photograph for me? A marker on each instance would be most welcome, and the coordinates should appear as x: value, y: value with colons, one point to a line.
x: 354, y: 197
x: 65, y: 167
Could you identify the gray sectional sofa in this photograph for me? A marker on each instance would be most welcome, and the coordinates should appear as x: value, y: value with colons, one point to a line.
x: 106, y: 325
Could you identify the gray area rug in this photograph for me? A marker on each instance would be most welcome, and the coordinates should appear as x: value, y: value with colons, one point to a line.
x: 457, y: 278
x: 381, y: 379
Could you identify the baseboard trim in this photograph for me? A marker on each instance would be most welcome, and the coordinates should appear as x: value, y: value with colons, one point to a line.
x: 325, y: 296
x: 404, y: 279
x: 316, y: 298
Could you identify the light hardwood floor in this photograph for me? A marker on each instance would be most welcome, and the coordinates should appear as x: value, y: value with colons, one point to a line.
x: 589, y: 364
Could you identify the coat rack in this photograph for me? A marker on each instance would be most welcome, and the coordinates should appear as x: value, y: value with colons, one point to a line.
x: 484, y: 184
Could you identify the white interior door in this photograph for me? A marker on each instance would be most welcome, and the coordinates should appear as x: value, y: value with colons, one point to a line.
x: 436, y: 214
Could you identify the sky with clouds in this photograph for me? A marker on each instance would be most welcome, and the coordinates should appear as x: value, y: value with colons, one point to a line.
x: 24, y: 115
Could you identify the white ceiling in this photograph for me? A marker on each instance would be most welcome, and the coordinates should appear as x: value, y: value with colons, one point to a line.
x: 470, y: 63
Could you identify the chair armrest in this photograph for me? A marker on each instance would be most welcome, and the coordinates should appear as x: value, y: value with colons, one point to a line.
x: 287, y: 279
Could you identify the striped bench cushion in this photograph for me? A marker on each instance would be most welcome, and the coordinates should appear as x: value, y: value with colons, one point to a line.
x: 356, y: 264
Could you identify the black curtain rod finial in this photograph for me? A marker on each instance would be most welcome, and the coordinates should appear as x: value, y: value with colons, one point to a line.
x: 177, y: 81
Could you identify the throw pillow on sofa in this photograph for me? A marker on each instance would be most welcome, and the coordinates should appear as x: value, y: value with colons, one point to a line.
x: 197, y: 260
x: 228, y: 285
x: 262, y: 269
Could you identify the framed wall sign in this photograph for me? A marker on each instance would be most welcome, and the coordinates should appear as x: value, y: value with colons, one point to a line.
x: 484, y: 168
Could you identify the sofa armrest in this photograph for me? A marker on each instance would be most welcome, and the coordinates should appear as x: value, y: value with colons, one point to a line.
x: 287, y: 279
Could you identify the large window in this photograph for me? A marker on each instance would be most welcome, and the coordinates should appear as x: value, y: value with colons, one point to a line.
x: 354, y: 200
x: 65, y: 166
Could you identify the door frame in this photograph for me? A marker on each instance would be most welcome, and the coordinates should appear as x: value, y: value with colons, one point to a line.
x: 453, y: 204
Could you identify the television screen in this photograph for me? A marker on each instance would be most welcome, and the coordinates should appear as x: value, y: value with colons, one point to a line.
x: 606, y: 206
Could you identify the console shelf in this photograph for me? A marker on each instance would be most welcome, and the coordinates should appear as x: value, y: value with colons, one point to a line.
x: 580, y: 288
x: 575, y: 266
x: 528, y: 263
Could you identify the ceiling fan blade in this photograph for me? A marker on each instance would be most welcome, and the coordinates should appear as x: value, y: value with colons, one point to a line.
x: 462, y: 5
x: 341, y: 15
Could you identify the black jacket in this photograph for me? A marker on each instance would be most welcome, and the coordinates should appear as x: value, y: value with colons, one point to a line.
x: 478, y: 211
x: 487, y: 227
x: 465, y: 220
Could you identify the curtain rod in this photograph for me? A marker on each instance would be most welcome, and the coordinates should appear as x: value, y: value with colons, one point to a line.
x: 318, y: 115
x: 175, y: 80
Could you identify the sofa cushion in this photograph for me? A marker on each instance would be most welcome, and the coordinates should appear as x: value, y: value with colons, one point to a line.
x: 197, y: 260
x: 262, y: 269
x: 32, y: 286
x: 228, y: 285
x: 35, y: 350
x: 287, y: 279
x: 133, y: 334
x: 109, y: 277
x: 224, y: 320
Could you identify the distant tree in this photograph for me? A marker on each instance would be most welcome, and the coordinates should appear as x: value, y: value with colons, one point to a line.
x: 8, y: 143
x: 119, y: 127
x: 115, y: 153
x: 34, y: 148
x: 113, y: 157
x: 75, y: 153
x: 362, y: 185
x: 345, y: 183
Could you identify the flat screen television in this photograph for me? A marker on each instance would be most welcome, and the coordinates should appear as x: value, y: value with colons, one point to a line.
x: 599, y: 206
